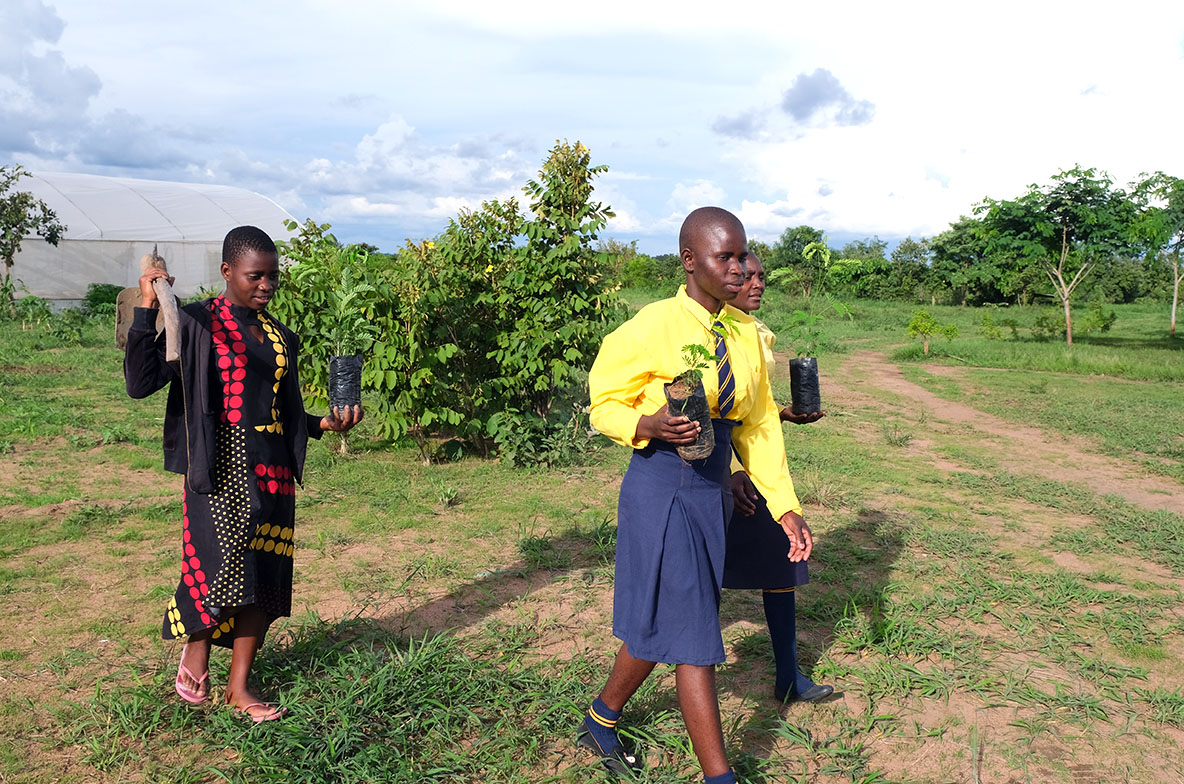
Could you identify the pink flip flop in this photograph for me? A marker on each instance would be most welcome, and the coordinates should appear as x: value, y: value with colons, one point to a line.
x: 275, y: 713
x: 187, y: 694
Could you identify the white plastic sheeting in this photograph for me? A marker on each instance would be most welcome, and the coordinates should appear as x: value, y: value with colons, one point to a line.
x: 112, y: 221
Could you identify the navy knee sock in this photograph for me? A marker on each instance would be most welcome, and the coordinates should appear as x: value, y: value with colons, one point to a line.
x: 723, y: 778
x: 780, y: 615
x: 601, y: 724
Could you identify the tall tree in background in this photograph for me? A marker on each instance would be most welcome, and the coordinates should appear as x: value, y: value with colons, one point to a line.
x: 21, y: 215
x: 789, y: 250
x: 866, y: 249
x: 1160, y: 224
x: 1065, y: 227
x: 789, y: 265
x: 962, y: 261
x: 909, y: 273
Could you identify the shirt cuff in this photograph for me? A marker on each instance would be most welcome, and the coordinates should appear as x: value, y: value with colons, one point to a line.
x: 145, y: 318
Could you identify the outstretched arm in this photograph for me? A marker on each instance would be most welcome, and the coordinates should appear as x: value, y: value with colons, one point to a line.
x: 341, y: 419
x: 787, y: 415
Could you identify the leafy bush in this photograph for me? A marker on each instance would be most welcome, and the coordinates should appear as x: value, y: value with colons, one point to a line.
x: 68, y: 326
x: 100, y: 294
x: 477, y: 333
x: 993, y: 330
x: 1097, y: 318
x: 30, y: 310
x: 1050, y: 325
x: 203, y: 292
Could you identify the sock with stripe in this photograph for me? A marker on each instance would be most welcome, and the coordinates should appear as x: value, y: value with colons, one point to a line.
x: 601, y: 724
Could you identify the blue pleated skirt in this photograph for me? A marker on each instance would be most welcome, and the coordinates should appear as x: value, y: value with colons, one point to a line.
x: 671, y: 535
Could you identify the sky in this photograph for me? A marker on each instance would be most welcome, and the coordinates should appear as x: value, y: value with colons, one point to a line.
x: 387, y: 118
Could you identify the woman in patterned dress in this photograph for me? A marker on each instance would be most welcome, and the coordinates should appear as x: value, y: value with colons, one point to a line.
x: 235, y: 426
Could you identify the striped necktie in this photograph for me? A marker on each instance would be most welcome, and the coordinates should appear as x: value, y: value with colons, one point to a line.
x: 727, y: 384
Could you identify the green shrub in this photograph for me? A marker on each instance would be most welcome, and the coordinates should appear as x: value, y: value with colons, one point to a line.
x: 1097, y: 318
x: 482, y: 334
x: 1050, y: 325
x: 30, y: 310
x: 68, y: 326
x: 987, y: 326
x: 100, y: 294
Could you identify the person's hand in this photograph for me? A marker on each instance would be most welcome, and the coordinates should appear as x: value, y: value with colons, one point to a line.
x: 675, y: 429
x: 743, y: 493
x: 147, y: 292
x: 342, y: 418
x: 801, y: 541
x: 787, y: 415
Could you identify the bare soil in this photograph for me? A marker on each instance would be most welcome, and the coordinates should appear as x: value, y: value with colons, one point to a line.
x: 90, y: 615
x: 1020, y: 449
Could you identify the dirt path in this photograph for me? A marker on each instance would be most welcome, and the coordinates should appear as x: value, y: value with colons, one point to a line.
x: 1020, y: 449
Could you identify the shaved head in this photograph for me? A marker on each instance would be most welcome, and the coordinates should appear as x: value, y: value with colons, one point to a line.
x: 701, y: 220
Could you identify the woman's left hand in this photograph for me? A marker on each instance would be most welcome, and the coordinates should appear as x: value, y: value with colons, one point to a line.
x: 342, y: 418
x: 801, y: 541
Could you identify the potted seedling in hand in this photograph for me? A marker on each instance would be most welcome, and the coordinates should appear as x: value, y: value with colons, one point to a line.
x: 803, y: 370
x: 686, y: 397
x: 350, y: 334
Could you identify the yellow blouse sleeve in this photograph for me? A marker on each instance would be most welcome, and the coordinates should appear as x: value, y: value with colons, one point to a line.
x: 616, y: 384
x: 760, y: 445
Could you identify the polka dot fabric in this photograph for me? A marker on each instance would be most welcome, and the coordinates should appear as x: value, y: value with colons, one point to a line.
x: 237, y: 542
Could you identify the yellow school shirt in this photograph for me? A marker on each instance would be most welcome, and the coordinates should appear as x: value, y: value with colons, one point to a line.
x: 768, y: 339
x: 645, y: 352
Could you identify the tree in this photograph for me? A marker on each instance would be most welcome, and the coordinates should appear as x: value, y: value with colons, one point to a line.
x: 1065, y: 228
x: 924, y: 326
x: 22, y: 215
x: 1160, y: 224
x: 866, y: 249
x: 790, y: 247
x: 763, y: 250
x: 907, y: 278
x: 554, y: 310
x: 963, y: 260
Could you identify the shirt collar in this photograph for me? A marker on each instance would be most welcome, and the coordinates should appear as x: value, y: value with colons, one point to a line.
x: 703, y: 315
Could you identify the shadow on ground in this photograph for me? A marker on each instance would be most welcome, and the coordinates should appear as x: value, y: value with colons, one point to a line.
x: 849, y: 574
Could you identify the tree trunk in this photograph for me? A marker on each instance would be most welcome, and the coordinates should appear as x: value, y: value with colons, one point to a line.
x: 925, y: 346
x: 1176, y: 277
x: 1068, y: 321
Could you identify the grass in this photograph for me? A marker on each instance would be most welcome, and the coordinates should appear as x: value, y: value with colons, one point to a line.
x: 1144, y: 421
x: 452, y: 622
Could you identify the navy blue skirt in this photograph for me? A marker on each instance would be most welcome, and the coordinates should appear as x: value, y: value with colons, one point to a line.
x: 758, y: 553
x: 671, y: 522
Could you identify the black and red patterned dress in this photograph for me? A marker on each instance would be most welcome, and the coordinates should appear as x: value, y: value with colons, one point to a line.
x: 237, y: 541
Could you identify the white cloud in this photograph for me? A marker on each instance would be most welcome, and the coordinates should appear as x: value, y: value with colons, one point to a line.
x: 687, y: 196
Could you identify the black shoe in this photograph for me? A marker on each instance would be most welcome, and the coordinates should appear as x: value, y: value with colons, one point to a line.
x: 616, y: 760
x: 819, y: 691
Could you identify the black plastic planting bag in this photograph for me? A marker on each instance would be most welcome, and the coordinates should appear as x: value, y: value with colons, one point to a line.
x: 345, y: 381
x: 693, y: 405
x: 803, y: 385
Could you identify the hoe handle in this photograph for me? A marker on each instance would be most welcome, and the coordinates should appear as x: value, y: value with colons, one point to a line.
x: 168, y: 305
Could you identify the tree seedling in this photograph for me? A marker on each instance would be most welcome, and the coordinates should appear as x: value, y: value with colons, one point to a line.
x: 926, y: 327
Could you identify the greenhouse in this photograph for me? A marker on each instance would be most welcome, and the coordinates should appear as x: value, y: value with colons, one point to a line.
x: 112, y: 221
